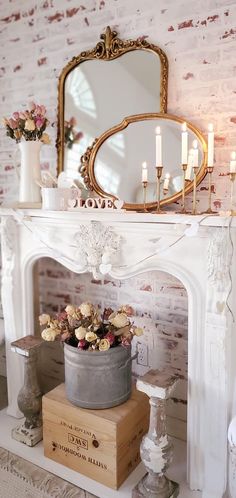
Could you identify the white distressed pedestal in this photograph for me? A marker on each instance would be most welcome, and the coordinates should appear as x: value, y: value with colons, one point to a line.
x: 156, y: 448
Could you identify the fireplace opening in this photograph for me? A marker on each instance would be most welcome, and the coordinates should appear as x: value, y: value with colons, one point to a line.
x: 161, y: 309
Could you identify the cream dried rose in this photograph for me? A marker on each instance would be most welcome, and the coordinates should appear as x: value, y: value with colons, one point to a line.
x: 45, y: 138
x: 49, y: 334
x: 44, y: 319
x: 90, y: 337
x: 119, y: 320
x: 29, y: 125
x: 86, y: 309
x: 70, y: 310
x: 104, y: 345
x: 137, y: 331
x: 80, y: 333
x: 54, y: 325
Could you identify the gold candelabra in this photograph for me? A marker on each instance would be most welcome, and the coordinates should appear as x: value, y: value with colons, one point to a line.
x: 159, y: 170
x: 232, y: 179
x: 194, y: 208
x: 209, y: 170
x: 184, y: 167
x: 145, y: 195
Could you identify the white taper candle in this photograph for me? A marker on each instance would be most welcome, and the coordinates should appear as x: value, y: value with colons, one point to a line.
x: 144, y: 172
x: 158, y: 146
x: 184, y: 151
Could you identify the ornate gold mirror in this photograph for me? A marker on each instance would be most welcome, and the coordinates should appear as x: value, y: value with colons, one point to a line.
x: 113, y: 166
x: 99, y: 87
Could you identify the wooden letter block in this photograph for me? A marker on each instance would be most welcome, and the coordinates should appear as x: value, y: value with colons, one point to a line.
x: 101, y: 444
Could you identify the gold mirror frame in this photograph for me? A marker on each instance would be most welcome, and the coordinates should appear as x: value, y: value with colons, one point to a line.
x: 110, y: 47
x: 88, y: 159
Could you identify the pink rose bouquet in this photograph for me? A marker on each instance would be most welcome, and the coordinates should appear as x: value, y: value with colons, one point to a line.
x: 28, y: 125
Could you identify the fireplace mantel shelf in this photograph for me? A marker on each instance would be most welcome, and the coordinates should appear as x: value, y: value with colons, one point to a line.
x: 198, y: 250
x: 114, y: 216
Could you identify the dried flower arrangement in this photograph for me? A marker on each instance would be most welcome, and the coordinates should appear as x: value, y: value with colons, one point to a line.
x: 71, y: 136
x: 28, y: 125
x: 83, y: 327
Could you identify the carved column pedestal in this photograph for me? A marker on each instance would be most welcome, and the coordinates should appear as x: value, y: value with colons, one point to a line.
x: 29, y: 397
x: 156, y: 448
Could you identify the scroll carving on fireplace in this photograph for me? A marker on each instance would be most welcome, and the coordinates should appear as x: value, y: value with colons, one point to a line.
x: 96, y: 247
x: 219, y: 280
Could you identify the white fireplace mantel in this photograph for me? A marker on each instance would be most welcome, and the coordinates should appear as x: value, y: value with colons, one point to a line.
x: 196, y: 249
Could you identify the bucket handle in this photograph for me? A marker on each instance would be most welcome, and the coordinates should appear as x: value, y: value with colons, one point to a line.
x: 129, y: 360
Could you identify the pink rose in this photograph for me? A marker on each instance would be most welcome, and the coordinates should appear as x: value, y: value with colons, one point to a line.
x: 110, y: 337
x: 13, y: 124
x: 39, y: 122
x: 72, y: 121
x: 125, y: 341
x: 82, y: 344
x: 32, y: 106
x: 43, y: 110
x: 62, y: 315
x: 23, y: 115
x: 65, y: 336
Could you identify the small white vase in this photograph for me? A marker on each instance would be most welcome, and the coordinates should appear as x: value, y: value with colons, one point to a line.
x: 30, y: 171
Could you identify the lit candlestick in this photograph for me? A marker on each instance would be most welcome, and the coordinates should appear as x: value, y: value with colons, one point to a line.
x: 210, y: 162
x: 158, y: 146
x: 144, y: 172
x: 166, y: 182
x: 195, y: 153
x: 184, y: 154
x: 190, y: 164
x: 232, y: 165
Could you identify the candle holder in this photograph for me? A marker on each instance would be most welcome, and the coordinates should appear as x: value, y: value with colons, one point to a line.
x: 232, y: 179
x: 145, y: 196
x: 194, y: 208
x: 184, y: 167
x: 209, y: 170
x: 159, y: 170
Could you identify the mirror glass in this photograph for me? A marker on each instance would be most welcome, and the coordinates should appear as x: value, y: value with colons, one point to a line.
x: 99, y: 93
x: 118, y: 163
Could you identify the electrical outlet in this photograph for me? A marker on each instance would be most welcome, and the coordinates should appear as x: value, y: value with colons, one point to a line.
x: 142, y: 358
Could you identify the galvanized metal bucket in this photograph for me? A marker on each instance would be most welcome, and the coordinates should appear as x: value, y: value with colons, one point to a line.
x: 97, y: 379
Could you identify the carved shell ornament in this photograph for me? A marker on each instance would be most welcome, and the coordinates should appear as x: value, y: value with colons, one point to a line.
x: 96, y: 247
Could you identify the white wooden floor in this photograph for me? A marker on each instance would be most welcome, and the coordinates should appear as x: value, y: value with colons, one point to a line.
x: 35, y: 455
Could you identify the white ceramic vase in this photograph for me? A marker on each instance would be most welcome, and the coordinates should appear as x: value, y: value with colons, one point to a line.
x: 30, y: 171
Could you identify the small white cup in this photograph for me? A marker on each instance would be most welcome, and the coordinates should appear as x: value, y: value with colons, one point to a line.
x: 56, y: 199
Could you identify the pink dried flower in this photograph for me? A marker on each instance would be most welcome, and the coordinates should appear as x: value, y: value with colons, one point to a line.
x: 13, y: 124
x: 128, y: 310
x: 39, y: 122
x: 126, y: 341
x: 65, y: 336
x: 110, y: 337
x: 16, y: 115
x: 82, y: 344
x: 72, y: 121
x: 32, y: 106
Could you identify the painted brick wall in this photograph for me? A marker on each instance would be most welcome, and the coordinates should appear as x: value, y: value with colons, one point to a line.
x: 38, y: 38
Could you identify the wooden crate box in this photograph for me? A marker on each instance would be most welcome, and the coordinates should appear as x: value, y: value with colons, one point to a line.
x: 101, y: 444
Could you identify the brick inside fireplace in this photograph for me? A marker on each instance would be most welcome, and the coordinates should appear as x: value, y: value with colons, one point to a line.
x: 161, y: 308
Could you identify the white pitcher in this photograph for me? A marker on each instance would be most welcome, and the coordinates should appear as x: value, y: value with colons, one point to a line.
x: 30, y: 171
